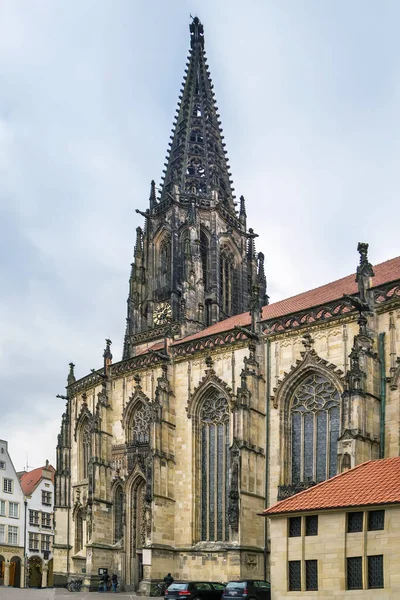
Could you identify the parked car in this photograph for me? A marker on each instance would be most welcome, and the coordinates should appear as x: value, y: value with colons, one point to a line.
x: 194, y: 590
x: 249, y: 589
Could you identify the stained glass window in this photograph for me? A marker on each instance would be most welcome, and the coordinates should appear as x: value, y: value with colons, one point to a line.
x: 141, y: 424
x: 226, y: 263
x: 214, y: 468
x: 315, y: 417
x: 86, y: 441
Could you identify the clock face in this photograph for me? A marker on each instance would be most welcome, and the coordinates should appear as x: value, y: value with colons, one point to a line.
x: 162, y: 313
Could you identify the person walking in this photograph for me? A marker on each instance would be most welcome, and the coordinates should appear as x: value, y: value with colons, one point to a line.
x: 168, y: 579
x: 114, y: 582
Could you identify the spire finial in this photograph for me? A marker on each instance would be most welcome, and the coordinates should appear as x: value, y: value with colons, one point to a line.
x: 71, y: 375
x: 364, y: 271
x: 153, y: 199
x: 242, y: 213
x: 196, y: 33
x: 138, y: 244
x: 107, y: 356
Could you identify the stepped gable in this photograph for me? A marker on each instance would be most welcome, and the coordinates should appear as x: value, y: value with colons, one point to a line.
x: 374, y: 482
x: 384, y: 273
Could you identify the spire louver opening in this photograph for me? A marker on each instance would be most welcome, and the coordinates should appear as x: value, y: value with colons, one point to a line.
x: 196, y: 161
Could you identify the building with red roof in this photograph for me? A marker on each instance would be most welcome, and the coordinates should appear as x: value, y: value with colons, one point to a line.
x: 339, y: 536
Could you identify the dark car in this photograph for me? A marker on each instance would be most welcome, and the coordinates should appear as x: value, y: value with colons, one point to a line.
x: 193, y: 590
x: 250, y: 589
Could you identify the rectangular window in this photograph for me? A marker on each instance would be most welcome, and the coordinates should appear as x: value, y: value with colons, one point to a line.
x: 294, y: 526
x: 312, y: 525
x: 12, y: 535
x: 46, y: 519
x: 294, y: 576
x: 376, y: 520
x: 354, y: 573
x: 45, y: 543
x: 2, y: 508
x: 33, y: 517
x: 354, y: 522
x: 46, y: 497
x: 311, y: 575
x: 2, y: 534
x: 2, y: 464
x: 375, y: 571
x: 34, y: 541
x: 13, y: 510
x: 7, y: 485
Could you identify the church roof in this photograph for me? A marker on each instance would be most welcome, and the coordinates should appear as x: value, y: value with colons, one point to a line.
x: 372, y: 483
x: 30, y: 479
x: 384, y: 273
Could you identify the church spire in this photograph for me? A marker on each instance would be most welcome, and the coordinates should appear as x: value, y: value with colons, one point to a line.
x: 196, y: 160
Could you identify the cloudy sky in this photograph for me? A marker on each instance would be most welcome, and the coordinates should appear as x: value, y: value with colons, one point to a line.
x: 309, y: 96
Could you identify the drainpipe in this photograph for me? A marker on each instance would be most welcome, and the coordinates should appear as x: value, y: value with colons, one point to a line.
x: 25, y: 557
x: 267, y: 401
x: 381, y: 348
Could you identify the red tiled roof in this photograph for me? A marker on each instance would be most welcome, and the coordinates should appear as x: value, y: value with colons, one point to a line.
x: 30, y: 479
x: 154, y: 347
x: 373, y: 482
x: 384, y: 273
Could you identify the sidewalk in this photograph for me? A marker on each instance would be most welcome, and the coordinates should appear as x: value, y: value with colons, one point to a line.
x: 7, y: 593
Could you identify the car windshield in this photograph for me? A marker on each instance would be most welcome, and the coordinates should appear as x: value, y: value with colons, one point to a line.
x: 236, y: 585
x: 177, y: 586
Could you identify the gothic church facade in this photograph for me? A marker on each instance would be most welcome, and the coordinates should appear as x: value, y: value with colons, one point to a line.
x: 222, y: 403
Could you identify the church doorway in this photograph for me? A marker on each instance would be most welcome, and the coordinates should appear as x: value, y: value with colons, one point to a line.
x: 138, y: 530
x: 35, y: 572
x: 15, y: 572
x: 2, y: 568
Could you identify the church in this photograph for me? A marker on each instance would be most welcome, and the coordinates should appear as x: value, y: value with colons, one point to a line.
x: 223, y: 402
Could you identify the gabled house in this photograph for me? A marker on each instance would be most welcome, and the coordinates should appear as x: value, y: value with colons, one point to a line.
x: 340, y: 538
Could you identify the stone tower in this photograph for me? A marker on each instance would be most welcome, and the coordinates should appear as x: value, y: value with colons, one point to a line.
x: 194, y: 260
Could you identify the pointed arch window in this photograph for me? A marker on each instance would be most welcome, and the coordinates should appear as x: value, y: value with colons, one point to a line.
x: 314, y: 418
x: 165, y: 256
x: 79, y: 531
x: 85, y: 448
x: 226, y: 271
x: 139, y: 429
x: 204, y: 254
x: 118, y: 514
x: 214, y: 427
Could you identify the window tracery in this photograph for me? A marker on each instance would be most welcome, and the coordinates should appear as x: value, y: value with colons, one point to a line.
x: 86, y: 447
x: 204, y: 254
x: 140, y: 428
x: 214, y: 425
x: 118, y: 514
x: 314, y: 429
x: 226, y: 269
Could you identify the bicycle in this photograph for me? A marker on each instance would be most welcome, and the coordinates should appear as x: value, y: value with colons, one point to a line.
x: 74, y: 585
x: 157, y: 589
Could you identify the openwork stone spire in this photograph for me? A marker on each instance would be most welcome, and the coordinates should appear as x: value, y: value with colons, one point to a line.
x: 197, y: 161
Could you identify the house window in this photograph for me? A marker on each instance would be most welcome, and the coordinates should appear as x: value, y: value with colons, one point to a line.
x: 46, y: 543
x: 314, y: 430
x: 2, y: 508
x: 375, y: 571
x: 311, y: 575
x: 34, y: 542
x: 46, y: 520
x: 376, y: 520
x: 7, y: 485
x: 312, y: 525
x: 354, y: 522
x: 12, y: 535
x: 2, y: 534
x: 295, y: 527
x: 46, y: 497
x: 33, y: 517
x: 294, y: 576
x: 13, y: 510
x: 2, y: 464
x: 214, y: 419
x: 354, y: 573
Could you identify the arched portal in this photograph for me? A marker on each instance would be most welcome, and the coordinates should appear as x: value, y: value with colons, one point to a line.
x: 2, y: 567
x: 15, y: 572
x: 35, y: 572
x: 137, y: 529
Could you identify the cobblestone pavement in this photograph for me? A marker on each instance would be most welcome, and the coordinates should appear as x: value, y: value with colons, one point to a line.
x: 60, y: 594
